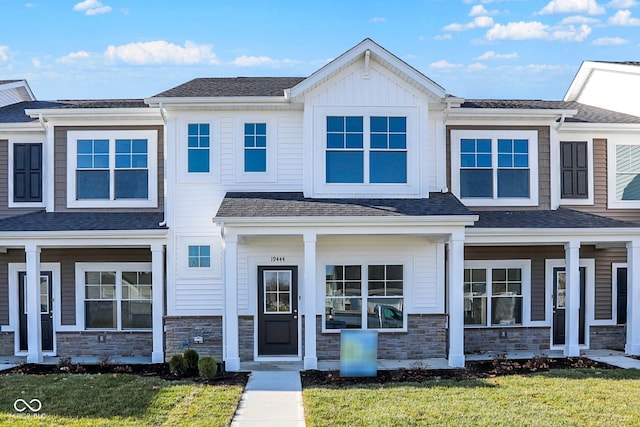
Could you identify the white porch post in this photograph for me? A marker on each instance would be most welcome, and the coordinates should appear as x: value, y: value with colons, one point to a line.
x: 632, y: 345
x: 230, y: 321
x: 456, y: 301
x: 572, y: 317
x: 157, y: 286
x: 34, y: 326
x: 310, y: 357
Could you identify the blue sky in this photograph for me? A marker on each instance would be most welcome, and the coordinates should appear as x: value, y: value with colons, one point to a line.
x: 513, y: 49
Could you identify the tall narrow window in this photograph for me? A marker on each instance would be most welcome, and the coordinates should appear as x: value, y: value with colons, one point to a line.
x: 27, y: 172
x: 255, y: 147
x: 513, y: 168
x: 388, y: 154
x: 574, y: 170
x: 198, y: 147
x: 136, y: 300
x: 476, y: 173
x: 101, y: 310
x: 93, y: 174
x: 345, y: 149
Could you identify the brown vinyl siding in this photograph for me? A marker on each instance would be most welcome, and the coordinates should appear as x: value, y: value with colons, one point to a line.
x: 600, y: 189
x: 10, y: 257
x: 544, y: 176
x: 5, y: 211
x: 60, y: 161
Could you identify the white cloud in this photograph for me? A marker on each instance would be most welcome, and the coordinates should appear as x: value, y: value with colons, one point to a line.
x: 73, y: 56
x: 571, y: 33
x: 260, y: 61
x: 478, y: 22
x: 4, y: 53
x: 377, y: 20
x: 609, y: 41
x: 444, y: 64
x: 477, y: 67
x: 36, y: 63
x: 623, y: 18
x: 518, y: 31
x: 443, y: 37
x: 590, y: 7
x: 492, y: 55
x: 622, y: 4
x: 479, y: 10
x: 162, y: 52
x: 577, y: 19
x: 92, y: 7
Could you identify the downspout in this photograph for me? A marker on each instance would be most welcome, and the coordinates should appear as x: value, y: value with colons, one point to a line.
x: 561, y: 122
x: 164, y: 151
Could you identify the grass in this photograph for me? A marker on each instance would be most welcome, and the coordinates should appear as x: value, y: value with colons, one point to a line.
x: 554, y: 398
x: 115, y: 400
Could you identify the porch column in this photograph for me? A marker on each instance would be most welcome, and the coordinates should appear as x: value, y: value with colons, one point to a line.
x: 310, y: 357
x: 572, y: 316
x: 632, y: 345
x: 157, y: 286
x: 230, y: 321
x: 34, y: 325
x: 456, y: 301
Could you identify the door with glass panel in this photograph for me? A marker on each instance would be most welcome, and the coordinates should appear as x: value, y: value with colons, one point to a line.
x: 46, y: 310
x: 278, y: 311
x: 559, y: 306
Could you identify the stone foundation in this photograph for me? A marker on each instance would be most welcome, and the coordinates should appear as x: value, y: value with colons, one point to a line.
x: 607, y: 337
x: 506, y: 339
x: 7, y: 344
x: 112, y: 344
x: 245, y: 338
x: 181, y: 332
x: 426, y: 337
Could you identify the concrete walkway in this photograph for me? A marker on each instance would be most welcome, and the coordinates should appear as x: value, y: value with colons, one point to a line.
x: 613, y: 358
x: 271, y: 398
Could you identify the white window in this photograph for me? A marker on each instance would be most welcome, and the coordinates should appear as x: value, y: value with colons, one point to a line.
x: 115, y: 295
x: 364, y: 297
x: 498, y: 168
x: 112, y: 169
x: 496, y: 293
x: 199, y: 257
x: 624, y: 173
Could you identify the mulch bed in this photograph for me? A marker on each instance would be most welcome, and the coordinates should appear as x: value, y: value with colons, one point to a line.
x: 473, y: 370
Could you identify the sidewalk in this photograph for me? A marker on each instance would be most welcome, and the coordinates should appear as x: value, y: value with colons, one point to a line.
x: 271, y: 398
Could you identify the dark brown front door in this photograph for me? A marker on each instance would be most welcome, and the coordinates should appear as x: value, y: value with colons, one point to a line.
x: 46, y: 310
x: 559, y: 307
x: 277, y: 311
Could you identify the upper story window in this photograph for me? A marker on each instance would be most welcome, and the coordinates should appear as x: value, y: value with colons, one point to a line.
x: 255, y: 147
x: 112, y: 168
x: 27, y: 173
x: 369, y: 149
x: 624, y: 175
x: 199, y: 143
x: 495, y: 167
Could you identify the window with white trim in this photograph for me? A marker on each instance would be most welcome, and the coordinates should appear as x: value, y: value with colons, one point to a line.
x: 112, y: 169
x: 198, y: 147
x: 495, y: 294
x: 116, y: 296
x: 255, y: 147
x: 199, y: 256
x: 495, y: 167
x: 364, y: 297
x: 627, y: 166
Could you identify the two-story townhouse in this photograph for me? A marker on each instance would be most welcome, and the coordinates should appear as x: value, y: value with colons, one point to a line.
x: 365, y: 197
x: 81, y: 227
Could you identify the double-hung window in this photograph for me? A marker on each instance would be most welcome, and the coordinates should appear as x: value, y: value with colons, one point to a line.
x: 112, y: 168
x: 116, y: 296
x: 624, y: 174
x: 495, y: 167
x: 199, y: 143
x: 364, y: 297
x: 255, y: 147
x: 366, y: 149
x: 494, y: 296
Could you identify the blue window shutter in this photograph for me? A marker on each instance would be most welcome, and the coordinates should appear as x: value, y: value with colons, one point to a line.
x: 27, y: 173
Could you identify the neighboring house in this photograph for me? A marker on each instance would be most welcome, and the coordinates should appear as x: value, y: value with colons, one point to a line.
x: 363, y: 196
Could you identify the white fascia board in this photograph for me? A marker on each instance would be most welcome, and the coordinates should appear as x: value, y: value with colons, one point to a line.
x: 106, y: 238
x: 96, y: 113
x: 516, y: 113
x: 177, y: 102
x: 606, y: 127
x: 21, y: 127
x: 350, y: 221
x: 379, y: 54
x: 19, y: 84
x: 527, y: 236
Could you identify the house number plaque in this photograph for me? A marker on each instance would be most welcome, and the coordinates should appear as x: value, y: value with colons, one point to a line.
x: 277, y: 259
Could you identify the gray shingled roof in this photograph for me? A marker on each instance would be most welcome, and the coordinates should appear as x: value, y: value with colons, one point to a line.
x: 247, y: 205
x: 4, y: 82
x: 232, y: 86
x: 83, y: 221
x: 560, y: 218
x: 14, y: 113
x: 636, y: 63
x: 586, y: 113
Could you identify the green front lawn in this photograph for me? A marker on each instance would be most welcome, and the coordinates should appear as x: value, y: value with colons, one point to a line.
x: 115, y: 400
x: 555, y: 398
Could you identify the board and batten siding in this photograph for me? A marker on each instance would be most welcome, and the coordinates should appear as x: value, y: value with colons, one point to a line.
x: 544, y: 162
x: 60, y: 166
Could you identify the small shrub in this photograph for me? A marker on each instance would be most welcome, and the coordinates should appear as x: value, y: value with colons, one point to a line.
x: 207, y: 367
x: 65, y: 364
x: 177, y: 365
x: 104, y: 362
x: 191, y: 362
